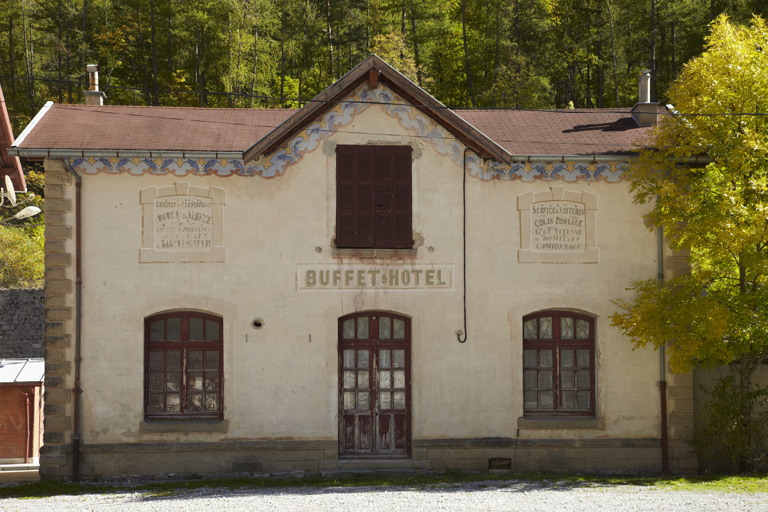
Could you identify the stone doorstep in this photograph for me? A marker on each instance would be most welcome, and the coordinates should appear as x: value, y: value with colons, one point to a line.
x: 19, y: 467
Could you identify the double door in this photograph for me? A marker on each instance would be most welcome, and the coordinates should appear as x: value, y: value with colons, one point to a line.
x: 374, y: 385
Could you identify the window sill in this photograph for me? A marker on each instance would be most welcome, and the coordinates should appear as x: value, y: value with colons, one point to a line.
x: 560, y: 422
x: 373, y: 253
x: 184, y: 426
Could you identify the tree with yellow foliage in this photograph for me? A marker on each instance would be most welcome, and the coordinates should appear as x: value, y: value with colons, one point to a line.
x: 717, y: 314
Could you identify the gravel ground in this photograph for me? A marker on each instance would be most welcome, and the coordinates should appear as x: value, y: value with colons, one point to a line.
x: 493, y: 496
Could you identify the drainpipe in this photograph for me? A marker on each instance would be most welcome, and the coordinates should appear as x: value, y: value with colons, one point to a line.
x: 27, y: 447
x: 662, y: 369
x: 78, y: 317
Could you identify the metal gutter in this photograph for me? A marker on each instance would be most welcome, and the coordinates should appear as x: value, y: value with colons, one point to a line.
x: 30, y: 127
x: 112, y: 153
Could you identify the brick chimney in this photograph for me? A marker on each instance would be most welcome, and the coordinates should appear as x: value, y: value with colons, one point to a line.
x: 93, y: 96
x: 645, y: 112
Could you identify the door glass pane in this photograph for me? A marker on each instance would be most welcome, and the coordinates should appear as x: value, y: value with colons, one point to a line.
x: 582, y: 379
x: 156, y: 360
x: 582, y: 358
x: 582, y: 329
x: 211, y: 402
x: 399, y: 399
x: 348, y: 329
x: 362, y: 358
x: 173, y: 359
x: 385, y: 379
x: 531, y: 399
x: 567, y: 379
x: 195, y: 329
x: 211, y: 359
x: 569, y: 400
x: 529, y: 329
x: 174, y: 329
x: 195, y: 381
x: 566, y: 328
x: 173, y: 402
x: 530, y: 379
x: 362, y: 380
x: 349, y: 359
x: 547, y: 400
x: 566, y: 359
x: 363, y: 401
x: 349, y: 380
x: 399, y: 329
x: 196, y: 402
x: 399, y: 379
x: 156, y: 402
x: 545, y: 325
x: 211, y: 330
x: 385, y: 400
x: 211, y: 381
x: 173, y: 381
x: 545, y: 379
x: 399, y: 359
x: 384, y: 358
x: 349, y: 400
x: 583, y: 399
x: 362, y: 328
x: 545, y: 358
x: 195, y: 359
x: 385, y: 328
x: 530, y: 359
x: 156, y: 381
x: 156, y: 330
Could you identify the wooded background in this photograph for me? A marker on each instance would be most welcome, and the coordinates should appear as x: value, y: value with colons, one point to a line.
x: 270, y: 53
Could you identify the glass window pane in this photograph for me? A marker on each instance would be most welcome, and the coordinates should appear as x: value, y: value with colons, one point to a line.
x: 566, y: 328
x: 399, y: 399
x: 399, y: 329
x: 211, y: 402
x: 384, y: 358
x: 583, y: 399
x: 195, y: 329
x: 399, y: 359
x: 569, y: 400
x: 582, y: 358
x: 349, y: 359
x: 349, y: 380
x: 547, y: 400
x: 211, y: 330
x: 362, y: 358
x: 582, y: 379
x: 566, y: 359
x: 211, y: 381
x: 174, y: 329
x: 529, y: 329
x: 156, y: 402
x: 582, y: 329
x: 530, y: 359
x: 195, y: 359
x: 156, y: 381
x: 349, y: 329
x: 385, y: 400
x: 399, y: 381
x: 545, y: 358
x: 385, y: 379
x: 530, y: 379
x: 349, y: 400
x: 362, y: 380
x: 211, y: 359
x: 363, y: 402
x: 567, y: 380
x: 545, y: 379
x: 156, y: 360
x: 362, y: 328
x: 156, y: 330
x: 385, y: 328
x: 173, y: 381
x: 531, y: 399
x: 195, y: 381
x: 195, y: 402
x: 545, y: 328
x: 173, y: 402
x: 173, y: 359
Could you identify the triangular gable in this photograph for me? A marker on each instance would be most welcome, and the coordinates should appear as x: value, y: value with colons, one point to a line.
x: 374, y: 69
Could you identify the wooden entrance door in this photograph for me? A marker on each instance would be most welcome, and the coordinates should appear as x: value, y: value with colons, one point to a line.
x: 374, y: 384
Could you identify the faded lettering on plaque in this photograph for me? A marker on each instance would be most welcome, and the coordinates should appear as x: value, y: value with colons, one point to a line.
x: 183, y: 223
x: 558, y: 226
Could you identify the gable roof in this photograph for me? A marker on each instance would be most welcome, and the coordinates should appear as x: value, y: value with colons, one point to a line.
x: 9, y: 165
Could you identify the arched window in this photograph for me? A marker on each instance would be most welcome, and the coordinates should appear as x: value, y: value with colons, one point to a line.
x: 558, y: 364
x: 182, y: 366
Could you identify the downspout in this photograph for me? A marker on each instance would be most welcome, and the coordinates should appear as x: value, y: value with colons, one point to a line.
x: 662, y: 367
x: 464, y: 242
x: 27, y: 447
x: 78, y: 317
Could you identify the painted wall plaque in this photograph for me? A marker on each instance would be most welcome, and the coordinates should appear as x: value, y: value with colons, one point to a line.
x: 376, y: 277
x: 183, y: 224
x: 558, y: 226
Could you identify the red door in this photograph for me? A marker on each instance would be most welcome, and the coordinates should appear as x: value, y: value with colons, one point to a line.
x: 374, y: 384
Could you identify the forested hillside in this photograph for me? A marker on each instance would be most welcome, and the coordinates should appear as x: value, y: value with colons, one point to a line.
x: 268, y: 53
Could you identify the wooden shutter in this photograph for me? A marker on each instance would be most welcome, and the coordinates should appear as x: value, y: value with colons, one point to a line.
x: 403, y: 197
x: 345, y: 197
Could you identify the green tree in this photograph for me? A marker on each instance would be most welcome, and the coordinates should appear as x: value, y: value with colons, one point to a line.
x: 716, y: 315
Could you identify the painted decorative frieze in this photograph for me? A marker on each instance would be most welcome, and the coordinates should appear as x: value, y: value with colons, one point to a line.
x: 558, y: 226
x: 183, y: 224
x: 546, y: 171
x: 333, y: 278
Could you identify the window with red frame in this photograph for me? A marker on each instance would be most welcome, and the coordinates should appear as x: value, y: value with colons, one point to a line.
x: 558, y: 364
x: 182, y: 366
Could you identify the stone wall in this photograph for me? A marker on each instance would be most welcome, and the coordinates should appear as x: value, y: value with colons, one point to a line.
x: 22, y: 324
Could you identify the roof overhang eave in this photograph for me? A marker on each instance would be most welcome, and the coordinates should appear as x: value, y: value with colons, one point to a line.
x: 114, y: 153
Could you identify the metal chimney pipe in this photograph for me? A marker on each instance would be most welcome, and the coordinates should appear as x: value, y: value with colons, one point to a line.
x: 93, y: 96
x: 645, y: 86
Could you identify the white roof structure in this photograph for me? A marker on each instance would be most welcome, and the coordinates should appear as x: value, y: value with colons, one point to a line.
x: 14, y: 371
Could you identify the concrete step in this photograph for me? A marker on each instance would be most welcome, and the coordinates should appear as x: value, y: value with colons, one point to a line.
x: 19, y: 467
x: 375, y: 464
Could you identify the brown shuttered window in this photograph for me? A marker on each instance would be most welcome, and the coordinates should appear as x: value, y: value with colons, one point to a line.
x: 373, y: 197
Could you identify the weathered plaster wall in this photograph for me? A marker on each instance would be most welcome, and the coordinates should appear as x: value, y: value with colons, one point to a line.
x: 21, y: 323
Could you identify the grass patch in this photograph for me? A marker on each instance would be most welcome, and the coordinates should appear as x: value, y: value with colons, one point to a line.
x: 450, y: 478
